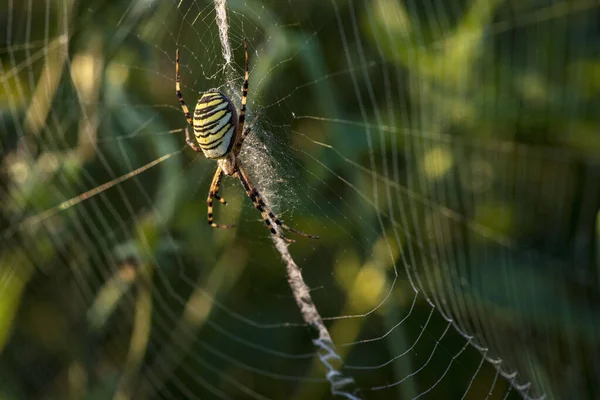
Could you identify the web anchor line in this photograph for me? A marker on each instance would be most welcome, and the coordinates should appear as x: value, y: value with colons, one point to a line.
x: 341, y: 385
x: 339, y: 382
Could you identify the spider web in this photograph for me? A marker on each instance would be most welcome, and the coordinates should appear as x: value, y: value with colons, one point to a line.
x: 445, y: 152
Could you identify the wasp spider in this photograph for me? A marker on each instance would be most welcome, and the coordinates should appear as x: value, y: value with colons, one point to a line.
x: 220, y: 134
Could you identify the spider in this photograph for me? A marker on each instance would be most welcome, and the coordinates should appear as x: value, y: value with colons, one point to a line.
x: 220, y: 137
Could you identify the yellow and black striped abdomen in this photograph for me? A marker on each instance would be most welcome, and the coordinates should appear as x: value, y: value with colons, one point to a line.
x: 215, y: 123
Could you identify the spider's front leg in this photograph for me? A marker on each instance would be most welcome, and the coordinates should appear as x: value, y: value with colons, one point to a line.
x: 240, y: 142
x: 184, y: 107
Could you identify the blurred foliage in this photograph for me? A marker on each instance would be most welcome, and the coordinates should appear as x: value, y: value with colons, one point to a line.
x: 447, y: 146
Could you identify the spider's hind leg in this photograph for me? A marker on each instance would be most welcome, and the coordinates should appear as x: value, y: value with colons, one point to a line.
x: 214, y: 193
x: 222, y: 200
x: 265, y: 211
x: 190, y: 142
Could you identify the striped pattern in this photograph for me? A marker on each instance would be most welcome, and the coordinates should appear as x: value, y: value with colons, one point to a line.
x: 215, y: 123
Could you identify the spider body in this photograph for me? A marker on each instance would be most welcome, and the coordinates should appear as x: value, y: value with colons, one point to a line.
x: 215, y: 124
x: 219, y: 132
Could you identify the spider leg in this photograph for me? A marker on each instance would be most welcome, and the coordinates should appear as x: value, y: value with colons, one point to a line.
x: 190, y: 142
x: 213, y: 193
x: 265, y: 211
x: 222, y: 200
x: 257, y: 200
x: 238, y: 145
x: 184, y: 107
x: 242, y: 117
x: 242, y: 133
x: 196, y: 148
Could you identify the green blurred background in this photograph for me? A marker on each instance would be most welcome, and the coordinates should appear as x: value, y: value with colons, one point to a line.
x: 446, y: 153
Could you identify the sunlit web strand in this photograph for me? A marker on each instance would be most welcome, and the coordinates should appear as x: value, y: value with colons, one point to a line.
x: 415, y: 372
x: 36, y: 219
x: 480, y: 229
